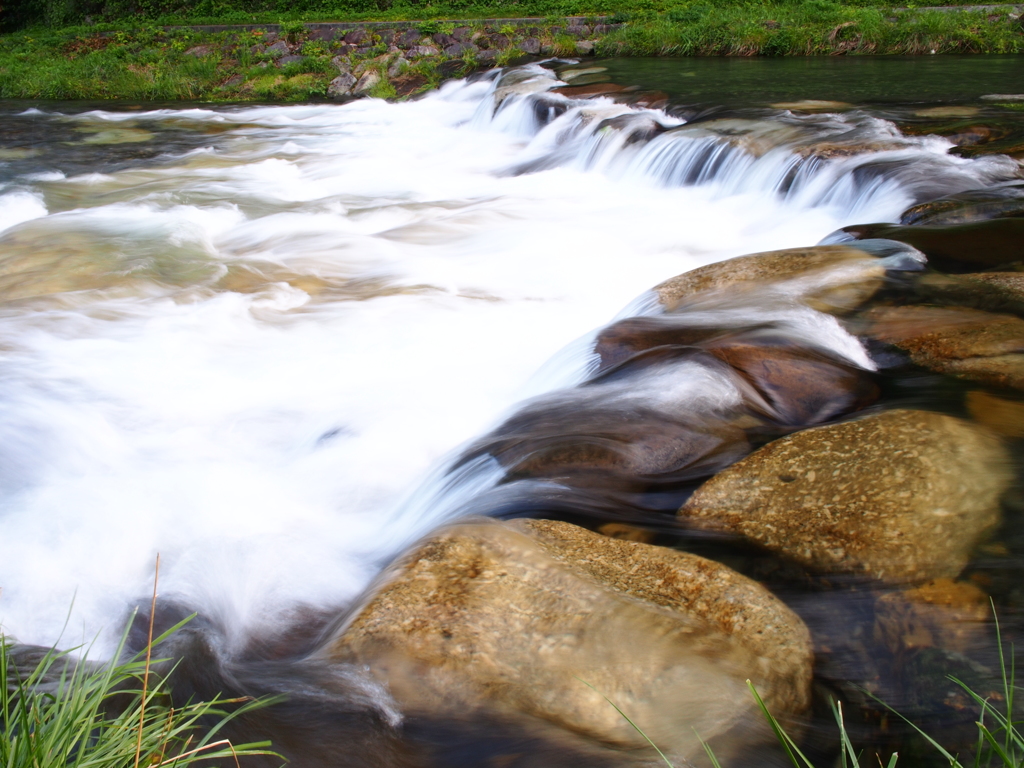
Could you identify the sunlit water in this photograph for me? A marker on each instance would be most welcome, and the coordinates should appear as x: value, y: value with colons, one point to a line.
x: 278, y: 432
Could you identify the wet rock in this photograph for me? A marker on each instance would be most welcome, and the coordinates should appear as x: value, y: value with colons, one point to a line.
x: 968, y: 343
x: 530, y: 45
x: 947, y: 614
x: 902, y: 496
x: 999, y: 292
x: 622, y: 340
x: 585, y: 91
x: 518, y: 614
x: 626, y: 532
x: 341, y: 86
x: 999, y: 414
x: 487, y: 57
x: 367, y: 82
x: 1004, y: 201
x: 956, y: 247
x: 798, y: 385
x: 636, y: 127
x: 607, y: 446
x: 836, y: 275
x: 521, y: 82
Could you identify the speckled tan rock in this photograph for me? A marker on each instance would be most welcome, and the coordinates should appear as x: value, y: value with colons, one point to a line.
x: 968, y: 343
x: 1010, y: 281
x: 901, y: 495
x: 829, y: 276
x: 518, y: 614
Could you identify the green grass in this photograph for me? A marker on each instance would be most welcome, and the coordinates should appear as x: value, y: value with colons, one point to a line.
x: 138, y: 60
x: 56, y: 712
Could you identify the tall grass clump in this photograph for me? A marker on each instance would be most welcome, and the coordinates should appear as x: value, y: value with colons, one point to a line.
x: 57, y: 711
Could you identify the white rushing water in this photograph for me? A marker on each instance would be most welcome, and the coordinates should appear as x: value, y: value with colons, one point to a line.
x: 269, y: 443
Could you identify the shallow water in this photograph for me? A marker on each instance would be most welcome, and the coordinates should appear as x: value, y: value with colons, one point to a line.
x: 253, y: 338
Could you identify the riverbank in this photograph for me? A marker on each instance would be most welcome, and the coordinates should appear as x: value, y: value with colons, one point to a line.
x: 296, y: 61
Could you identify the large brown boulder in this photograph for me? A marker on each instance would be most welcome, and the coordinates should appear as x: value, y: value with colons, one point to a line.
x: 527, y: 615
x: 901, y: 495
x: 968, y: 343
x: 833, y: 276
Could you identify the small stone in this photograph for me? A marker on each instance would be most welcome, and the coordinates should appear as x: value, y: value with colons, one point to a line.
x: 341, y: 86
x: 585, y: 47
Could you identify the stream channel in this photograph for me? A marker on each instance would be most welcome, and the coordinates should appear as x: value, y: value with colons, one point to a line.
x: 279, y: 345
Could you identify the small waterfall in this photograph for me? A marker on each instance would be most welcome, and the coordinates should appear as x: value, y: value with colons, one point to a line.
x: 853, y: 162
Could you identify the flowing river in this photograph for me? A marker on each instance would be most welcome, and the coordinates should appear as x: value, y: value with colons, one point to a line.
x: 256, y: 339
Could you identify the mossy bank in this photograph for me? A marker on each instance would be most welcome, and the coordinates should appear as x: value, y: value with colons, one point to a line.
x: 296, y: 61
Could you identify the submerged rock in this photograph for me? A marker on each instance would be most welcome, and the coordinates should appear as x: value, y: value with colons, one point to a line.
x: 1003, y: 201
x: 900, y: 496
x: 526, y: 616
x: 969, y: 343
x: 956, y: 247
x: 838, y: 276
x: 947, y: 614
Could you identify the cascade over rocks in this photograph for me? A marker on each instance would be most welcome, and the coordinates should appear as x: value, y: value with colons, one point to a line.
x: 800, y: 386
x: 524, y: 615
x: 901, y: 495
